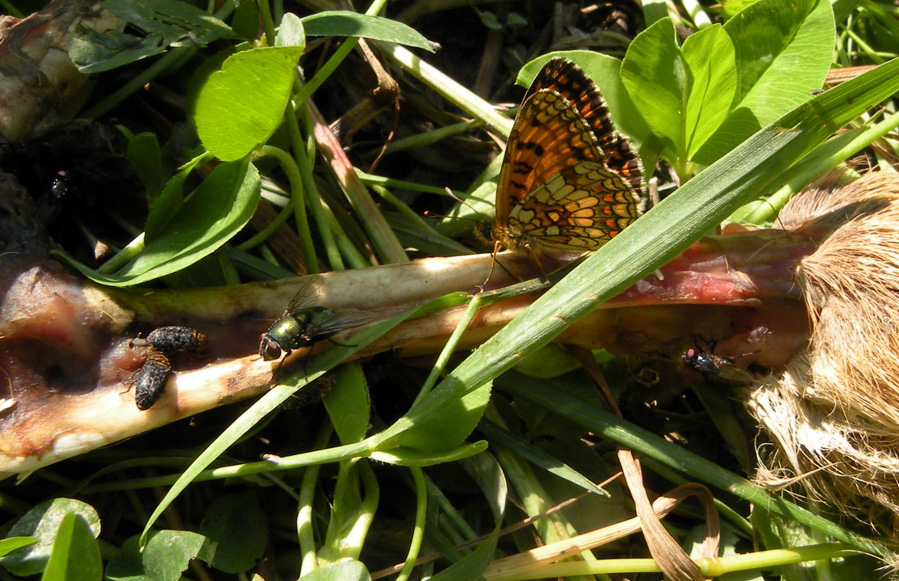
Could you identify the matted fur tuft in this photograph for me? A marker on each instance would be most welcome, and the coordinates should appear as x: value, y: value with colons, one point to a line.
x: 833, y: 415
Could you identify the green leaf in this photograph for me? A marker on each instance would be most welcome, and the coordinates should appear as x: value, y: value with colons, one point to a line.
x: 172, y: 20
x: 348, y: 403
x: 11, y: 544
x: 777, y: 42
x: 166, y: 557
x: 212, y: 215
x: 291, y: 31
x: 75, y: 555
x: 490, y: 20
x: 241, y: 105
x: 238, y: 530
x: 145, y: 158
x: 245, y: 22
x: 731, y: 8
x: 656, y: 77
x: 451, y: 425
x: 709, y: 55
x: 42, y: 522
x: 348, y: 570
x: 783, y: 52
x: 169, y: 202
x: 346, y: 23
x: 515, y: 20
x: 95, y: 52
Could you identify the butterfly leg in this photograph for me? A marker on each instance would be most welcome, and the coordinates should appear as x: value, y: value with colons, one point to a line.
x: 493, y: 263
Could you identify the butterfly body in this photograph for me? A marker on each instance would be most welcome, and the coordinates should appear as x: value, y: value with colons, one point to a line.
x: 568, y: 180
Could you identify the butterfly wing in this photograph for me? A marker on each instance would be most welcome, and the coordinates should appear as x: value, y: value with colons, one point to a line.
x: 547, y: 137
x: 556, y: 188
x: 580, y: 208
x: 566, y: 78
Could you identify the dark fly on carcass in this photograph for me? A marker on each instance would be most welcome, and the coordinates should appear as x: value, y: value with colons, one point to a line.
x: 713, y: 366
x: 704, y: 362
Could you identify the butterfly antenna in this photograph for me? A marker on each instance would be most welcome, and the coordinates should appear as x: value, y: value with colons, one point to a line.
x: 452, y: 195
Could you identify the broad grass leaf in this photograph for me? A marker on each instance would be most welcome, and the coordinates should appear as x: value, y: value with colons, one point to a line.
x: 346, y: 23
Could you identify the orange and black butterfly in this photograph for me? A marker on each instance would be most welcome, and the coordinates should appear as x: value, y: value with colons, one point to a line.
x: 568, y: 181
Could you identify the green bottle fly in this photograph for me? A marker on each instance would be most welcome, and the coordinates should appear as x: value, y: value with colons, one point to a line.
x: 304, y: 324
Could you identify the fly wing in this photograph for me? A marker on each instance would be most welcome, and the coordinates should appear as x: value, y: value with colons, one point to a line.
x: 333, y: 322
x: 307, y: 296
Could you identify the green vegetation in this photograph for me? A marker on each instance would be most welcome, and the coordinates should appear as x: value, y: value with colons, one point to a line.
x: 402, y: 463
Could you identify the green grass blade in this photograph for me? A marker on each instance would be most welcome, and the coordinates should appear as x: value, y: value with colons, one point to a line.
x: 611, y: 427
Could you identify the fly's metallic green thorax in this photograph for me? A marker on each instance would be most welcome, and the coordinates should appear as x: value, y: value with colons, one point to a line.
x: 295, y: 330
x: 305, y: 323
